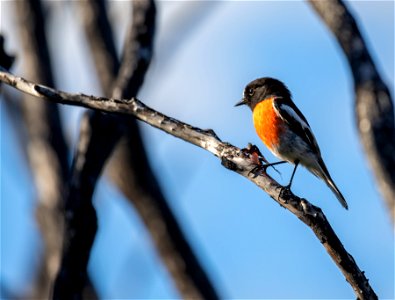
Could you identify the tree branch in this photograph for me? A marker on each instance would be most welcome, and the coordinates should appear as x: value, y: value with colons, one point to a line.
x: 231, y: 157
x: 129, y: 167
x: 46, y: 146
x: 98, y: 137
x: 6, y: 59
x: 100, y: 39
x: 373, y: 103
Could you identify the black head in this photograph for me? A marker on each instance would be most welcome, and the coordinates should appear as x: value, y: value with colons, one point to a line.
x: 261, y: 89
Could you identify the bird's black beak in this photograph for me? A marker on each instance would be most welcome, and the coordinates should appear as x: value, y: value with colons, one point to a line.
x: 242, y: 102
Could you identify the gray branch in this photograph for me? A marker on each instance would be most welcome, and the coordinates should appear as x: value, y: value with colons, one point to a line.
x: 230, y: 156
x: 373, y: 103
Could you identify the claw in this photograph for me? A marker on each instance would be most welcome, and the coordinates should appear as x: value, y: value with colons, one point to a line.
x: 255, y: 170
x: 285, y: 193
x: 258, y: 158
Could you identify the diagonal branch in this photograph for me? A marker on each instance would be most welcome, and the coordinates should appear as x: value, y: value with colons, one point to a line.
x: 129, y: 167
x: 231, y: 157
x: 373, y: 103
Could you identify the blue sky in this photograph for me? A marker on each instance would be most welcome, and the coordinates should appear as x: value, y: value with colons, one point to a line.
x: 251, y: 247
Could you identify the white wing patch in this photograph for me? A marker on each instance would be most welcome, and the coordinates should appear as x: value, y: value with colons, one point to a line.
x: 292, y: 114
x: 301, y: 128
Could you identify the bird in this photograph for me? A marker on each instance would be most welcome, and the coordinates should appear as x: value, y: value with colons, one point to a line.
x: 284, y: 129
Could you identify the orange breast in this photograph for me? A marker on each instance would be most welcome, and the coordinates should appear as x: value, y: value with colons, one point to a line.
x: 267, y: 124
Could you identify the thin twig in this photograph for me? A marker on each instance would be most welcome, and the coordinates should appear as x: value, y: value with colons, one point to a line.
x: 231, y: 157
x: 129, y: 167
x: 374, y: 106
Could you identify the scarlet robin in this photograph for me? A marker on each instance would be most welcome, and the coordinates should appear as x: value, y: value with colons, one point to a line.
x: 284, y: 130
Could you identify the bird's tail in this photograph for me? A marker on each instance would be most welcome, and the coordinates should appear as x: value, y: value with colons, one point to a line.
x: 322, y: 172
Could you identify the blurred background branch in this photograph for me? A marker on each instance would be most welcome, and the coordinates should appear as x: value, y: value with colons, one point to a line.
x: 6, y: 59
x: 129, y: 167
x: 47, y: 149
x: 374, y: 107
x: 98, y: 136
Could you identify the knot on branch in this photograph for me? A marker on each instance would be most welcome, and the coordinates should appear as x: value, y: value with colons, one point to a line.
x: 229, y: 164
x: 308, y: 208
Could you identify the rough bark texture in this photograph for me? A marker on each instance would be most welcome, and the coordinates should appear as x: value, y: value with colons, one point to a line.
x: 129, y: 167
x: 47, y: 150
x: 373, y: 103
x: 231, y: 157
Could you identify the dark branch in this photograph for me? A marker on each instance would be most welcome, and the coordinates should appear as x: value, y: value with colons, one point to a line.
x: 373, y: 103
x: 129, y: 167
x: 98, y: 137
x: 241, y: 163
x: 5, y: 59
x: 137, y: 51
x: 100, y: 39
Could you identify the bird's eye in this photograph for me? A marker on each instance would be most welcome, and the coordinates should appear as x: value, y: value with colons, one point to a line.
x: 250, y: 92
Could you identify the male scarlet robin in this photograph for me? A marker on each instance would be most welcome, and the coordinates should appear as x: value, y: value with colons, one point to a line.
x: 284, y: 130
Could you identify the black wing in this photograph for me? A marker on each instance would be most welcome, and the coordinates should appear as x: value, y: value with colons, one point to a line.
x: 288, y: 111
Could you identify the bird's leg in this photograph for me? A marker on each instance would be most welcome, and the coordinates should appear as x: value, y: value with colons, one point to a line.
x: 287, y: 188
x: 267, y: 165
x: 293, y: 174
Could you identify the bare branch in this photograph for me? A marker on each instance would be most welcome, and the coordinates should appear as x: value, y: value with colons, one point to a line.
x: 98, y: 137
x: 137, y: 51
x: 46, y: 146
x: 6, y: 59
x: 231, y: 157
x: 373, y: 103
x: 129, y: 166
x: 100, y: 38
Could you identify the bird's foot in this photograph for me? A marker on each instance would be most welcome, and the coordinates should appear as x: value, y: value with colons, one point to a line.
x: 285, y: 193
x: 255, y: 154
x: 257, y: 157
